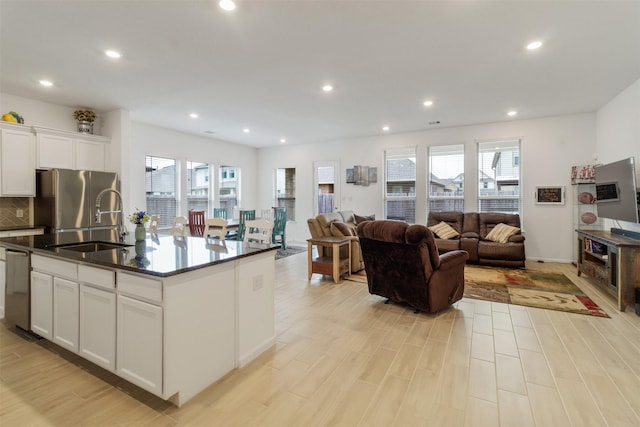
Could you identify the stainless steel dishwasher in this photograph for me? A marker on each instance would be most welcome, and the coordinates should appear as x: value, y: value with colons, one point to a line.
x: 17, y: 302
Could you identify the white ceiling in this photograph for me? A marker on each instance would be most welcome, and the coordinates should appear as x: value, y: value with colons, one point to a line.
x: 263, y: 65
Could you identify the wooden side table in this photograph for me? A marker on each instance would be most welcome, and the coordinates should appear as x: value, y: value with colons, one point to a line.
x: 333, y: 265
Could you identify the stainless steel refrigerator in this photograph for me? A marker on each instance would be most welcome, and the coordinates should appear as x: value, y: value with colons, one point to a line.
x: 66, y: 204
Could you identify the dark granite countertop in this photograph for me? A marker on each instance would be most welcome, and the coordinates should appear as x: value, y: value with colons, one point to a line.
x: 161, y: 256
x: 21, y: 227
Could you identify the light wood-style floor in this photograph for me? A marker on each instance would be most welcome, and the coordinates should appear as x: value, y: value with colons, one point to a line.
x: 344, y: 358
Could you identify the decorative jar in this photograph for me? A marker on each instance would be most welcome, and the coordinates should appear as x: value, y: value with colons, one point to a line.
x: 140, y: 232
x: 85, y: 127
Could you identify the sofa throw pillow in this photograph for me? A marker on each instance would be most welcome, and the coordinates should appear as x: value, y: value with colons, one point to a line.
x: 501, y: 233
x: 360, y: 219
x: 340, y: 229
x: 444, y: 231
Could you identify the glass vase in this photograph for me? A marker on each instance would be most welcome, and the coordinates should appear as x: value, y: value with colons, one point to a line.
x: 140, y: 232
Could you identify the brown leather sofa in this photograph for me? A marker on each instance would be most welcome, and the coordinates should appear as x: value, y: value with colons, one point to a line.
x: 473, y: 229
x: 403, y: 264
x: 339, y: 224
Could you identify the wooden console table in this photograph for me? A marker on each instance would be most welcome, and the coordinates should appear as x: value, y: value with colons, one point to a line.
x: 613, y: 261
x: 333, y: 266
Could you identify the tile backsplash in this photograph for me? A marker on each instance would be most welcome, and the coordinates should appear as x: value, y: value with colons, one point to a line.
x: 8, y: 211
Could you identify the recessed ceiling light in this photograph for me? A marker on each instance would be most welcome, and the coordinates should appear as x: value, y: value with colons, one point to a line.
x: 193, y: 115
x: 327, y: 88
x: 427, y: 103
x: 227, y: 5
x: 282, y: 141
x: 512, y: 113
x: 46, y: 83
x: 534, y: 45
x: 113, y: 54
x: 246, y: 130
x: 385, y: 128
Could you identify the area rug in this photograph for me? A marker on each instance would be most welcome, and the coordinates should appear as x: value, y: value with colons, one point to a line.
x: 531, y: 288
x: 291, y: 250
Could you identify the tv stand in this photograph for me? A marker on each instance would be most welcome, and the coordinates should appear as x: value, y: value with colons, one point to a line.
x: 612, y: 260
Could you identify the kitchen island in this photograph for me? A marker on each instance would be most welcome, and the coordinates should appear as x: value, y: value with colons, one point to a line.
x: 171, y: 315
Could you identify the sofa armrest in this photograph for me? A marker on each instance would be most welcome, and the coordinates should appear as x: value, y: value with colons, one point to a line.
x: 518, y: 238
x: 452, y: 259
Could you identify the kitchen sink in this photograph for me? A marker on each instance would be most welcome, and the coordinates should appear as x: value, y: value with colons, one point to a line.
x: 91, y: 246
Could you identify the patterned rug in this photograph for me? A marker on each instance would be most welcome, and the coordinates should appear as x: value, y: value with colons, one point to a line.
x: 552, y: 291
x: 291, y: 250
x: 531, y: 288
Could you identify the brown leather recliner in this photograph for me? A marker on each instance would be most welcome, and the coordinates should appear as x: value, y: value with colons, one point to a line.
x: 403, y: 264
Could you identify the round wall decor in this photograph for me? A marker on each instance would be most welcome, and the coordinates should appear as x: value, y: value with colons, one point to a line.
x: 588, y: 217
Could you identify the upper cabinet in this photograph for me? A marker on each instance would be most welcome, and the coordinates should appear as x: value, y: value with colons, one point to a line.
x: 17, y: 161
x: 70, y: 150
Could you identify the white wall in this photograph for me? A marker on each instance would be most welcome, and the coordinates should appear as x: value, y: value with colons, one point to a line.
x: 38, y: 113
x: 618, y: 136
x: 550, y: 146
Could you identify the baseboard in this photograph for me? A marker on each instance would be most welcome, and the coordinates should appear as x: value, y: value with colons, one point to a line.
x: 560, y: 261
x: 256, y: 351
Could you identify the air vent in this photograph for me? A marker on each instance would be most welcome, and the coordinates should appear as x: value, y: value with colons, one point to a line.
x: 437, y: 122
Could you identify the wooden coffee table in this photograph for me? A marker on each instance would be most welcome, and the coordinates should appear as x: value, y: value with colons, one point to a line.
x: 329, y: 265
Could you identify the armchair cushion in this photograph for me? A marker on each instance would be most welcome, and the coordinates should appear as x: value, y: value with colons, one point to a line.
x: 341, y: 229
x: 444, y: 230
x: 360, y: 219
x: 501, y: 233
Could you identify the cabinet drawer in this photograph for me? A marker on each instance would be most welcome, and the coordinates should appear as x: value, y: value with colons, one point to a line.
x: 55, y: 267
x: 142, y: 287
x: 97, y: 276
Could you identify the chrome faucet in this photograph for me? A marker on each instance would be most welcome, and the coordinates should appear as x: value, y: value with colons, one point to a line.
x: 121, y: 230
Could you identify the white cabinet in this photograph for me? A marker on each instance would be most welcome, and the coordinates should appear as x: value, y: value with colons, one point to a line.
x: 17, y: 162
x: 98, y: 316
x: 42, y: 304
x: 90, y: 155
x: 70, y: 150
x: 139, y: 343
x: 54, y: 151
x: 98, y: 326
x: 66, y: 313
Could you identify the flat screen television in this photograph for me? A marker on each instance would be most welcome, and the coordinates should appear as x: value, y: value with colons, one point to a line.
x: 616, y: 192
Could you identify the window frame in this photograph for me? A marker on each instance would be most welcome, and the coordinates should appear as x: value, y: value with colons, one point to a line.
x: 458, y: 200
x: 410, y: 154
x: 498, y: 164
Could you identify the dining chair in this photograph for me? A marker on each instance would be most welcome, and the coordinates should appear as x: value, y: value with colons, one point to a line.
x: 220, y: 213
x: 267, y: 214
x: 180, y: 225
x: 153, y: 224
x: 279, y: 226
x: 243, y: 217
x: 258, y: 230
x: 196, y: 223
x: 215, y: 228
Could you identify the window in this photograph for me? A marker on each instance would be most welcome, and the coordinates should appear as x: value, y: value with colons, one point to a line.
x: 446, y: 178
x: 325, y: 181
x: 228, y: 191
x: 198, y: 186
x: 400, y: 193
x: 286, y: 191
x: 160, y: 187
x: 499, y: 176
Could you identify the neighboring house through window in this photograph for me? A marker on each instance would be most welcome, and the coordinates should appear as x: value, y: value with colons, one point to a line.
x: 400, y: 184
x: 499, y: 176
x: 446, y: 178
x: 160, y: 188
